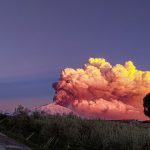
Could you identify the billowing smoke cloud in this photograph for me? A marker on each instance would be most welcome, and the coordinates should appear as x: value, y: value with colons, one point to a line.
x: 104, y: 91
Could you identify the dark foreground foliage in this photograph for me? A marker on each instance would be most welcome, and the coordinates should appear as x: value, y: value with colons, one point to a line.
x: 146, y: 105
x: 54, y: 132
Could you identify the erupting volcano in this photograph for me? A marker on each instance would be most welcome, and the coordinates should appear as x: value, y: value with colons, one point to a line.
x: 100, y: 90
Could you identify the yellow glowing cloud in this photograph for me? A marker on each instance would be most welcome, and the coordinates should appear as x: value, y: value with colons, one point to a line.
x: 102, y: 90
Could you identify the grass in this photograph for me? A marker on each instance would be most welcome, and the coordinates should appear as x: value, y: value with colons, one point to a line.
x: 54, y: 132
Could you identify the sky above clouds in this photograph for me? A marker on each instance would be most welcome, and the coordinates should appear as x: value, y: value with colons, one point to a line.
x: 40, y: 38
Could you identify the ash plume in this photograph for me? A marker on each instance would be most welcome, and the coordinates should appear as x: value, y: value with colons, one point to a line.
x: 100, y: 90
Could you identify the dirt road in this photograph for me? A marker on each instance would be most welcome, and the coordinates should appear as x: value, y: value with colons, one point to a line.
x: 7, y: 143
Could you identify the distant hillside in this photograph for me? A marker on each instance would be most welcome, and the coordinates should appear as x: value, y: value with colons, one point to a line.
x: 53, y: 108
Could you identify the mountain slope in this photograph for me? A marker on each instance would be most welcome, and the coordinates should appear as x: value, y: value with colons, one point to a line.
x: 53, y: 108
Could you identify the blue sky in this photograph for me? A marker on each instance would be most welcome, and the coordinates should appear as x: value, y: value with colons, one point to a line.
x: 40, y: 38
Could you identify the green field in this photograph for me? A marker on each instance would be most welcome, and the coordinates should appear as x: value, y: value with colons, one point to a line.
x: 42, y: 132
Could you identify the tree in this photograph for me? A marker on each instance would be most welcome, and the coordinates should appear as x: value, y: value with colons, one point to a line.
x: 20, y: 110
x: 146, y: 105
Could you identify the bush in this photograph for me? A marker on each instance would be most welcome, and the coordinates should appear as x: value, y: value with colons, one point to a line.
x: 54, y: 132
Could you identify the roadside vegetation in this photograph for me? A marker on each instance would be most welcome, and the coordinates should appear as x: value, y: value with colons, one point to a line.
x: 53, y: 132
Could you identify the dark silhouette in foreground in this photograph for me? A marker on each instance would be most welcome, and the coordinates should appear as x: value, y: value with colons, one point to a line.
x: 146, y: 105
x: 68, y: 132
